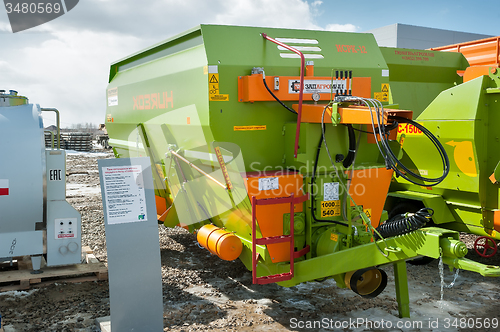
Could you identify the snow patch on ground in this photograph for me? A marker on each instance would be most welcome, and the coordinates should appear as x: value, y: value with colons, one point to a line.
x: 21, y: 294
x: 88, y: 154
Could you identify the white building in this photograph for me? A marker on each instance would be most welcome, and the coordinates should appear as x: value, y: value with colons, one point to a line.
x: 411, y: 36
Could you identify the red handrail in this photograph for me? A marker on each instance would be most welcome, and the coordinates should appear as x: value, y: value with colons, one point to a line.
x: 301, y: 92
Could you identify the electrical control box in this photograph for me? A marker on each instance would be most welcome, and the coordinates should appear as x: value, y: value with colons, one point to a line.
x: 63, y: 221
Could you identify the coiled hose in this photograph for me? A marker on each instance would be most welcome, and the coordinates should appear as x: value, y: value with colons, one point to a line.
x: 404, y: 223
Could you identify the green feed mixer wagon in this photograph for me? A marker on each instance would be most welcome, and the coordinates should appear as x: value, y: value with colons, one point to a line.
x: 278, y: 147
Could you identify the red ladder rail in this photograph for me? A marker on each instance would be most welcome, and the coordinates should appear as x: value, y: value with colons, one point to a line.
x: 275, y: 239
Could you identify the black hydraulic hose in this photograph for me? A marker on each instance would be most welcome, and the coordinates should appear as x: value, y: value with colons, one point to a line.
x: 404, y: 223
x: 387, y: 128
x: 395, y: 164
x: 315, y: 167
x: 352, y: 147
x: 274, y: 96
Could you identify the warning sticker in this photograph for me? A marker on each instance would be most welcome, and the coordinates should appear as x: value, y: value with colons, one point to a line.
x: 213, y: 82
x: 381, y: 96
x: 219, y: 97
x: 214, y: 79
x: 368, y: 212
x: 330, y: 209
x: 213, y: 86
x: 242, y: 128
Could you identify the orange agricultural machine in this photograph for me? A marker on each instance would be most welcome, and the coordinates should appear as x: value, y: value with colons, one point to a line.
x: 483, y: 56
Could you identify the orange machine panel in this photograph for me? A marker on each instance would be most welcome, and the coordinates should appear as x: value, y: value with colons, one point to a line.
x: 483, y: 56
x: 270, y: 217
x: 352, y: 115
x: 349, y: 115
x: 483, y: 52
x: 369, y: 187
x: 161, y: 207
x: 476, y: 71
x: 251, y: 88
x: 496, y: 220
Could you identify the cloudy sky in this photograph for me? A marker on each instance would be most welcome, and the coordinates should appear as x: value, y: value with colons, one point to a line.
x: 65, y: 63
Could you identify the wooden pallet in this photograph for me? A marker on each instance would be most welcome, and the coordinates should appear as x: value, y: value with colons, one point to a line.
x: 22, y: 279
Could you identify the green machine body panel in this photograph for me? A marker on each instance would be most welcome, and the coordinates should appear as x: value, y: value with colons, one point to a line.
x: 464, y: 119
x: 417, y: 77
x: 177, y: 71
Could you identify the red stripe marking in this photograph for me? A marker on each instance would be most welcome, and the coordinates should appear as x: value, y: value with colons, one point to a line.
x: 4, y: 191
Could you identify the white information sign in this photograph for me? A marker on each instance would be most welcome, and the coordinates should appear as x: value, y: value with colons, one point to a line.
x: 124, y: 194
x: 269, y: 184
x: 113, y: 97
x: 320, y: 86
x: 331, y: 191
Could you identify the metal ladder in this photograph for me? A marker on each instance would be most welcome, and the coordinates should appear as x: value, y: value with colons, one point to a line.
x: 275, y: 239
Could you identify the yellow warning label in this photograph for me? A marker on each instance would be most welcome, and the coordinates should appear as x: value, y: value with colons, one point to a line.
x: 381, y: 96
x: 330, y: 209
x: 368, y: 212
x: 241, y: 128
x: 213, y: 89
x: 385, y: 87
x: 334, y: 237
x: 213, y: 84
x: 219, y: 97
x: 214, y: 78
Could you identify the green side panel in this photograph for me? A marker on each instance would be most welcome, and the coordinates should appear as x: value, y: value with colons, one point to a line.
x: 465, y: 119
x: 165, y: 89
x: 418, y: 76
x: 456, y: 118
x: 178, y: 68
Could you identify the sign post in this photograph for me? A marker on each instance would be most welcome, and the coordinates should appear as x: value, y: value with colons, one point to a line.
x: 134, y: 265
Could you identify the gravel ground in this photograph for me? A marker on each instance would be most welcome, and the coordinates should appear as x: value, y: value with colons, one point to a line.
x: 202, y: 292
